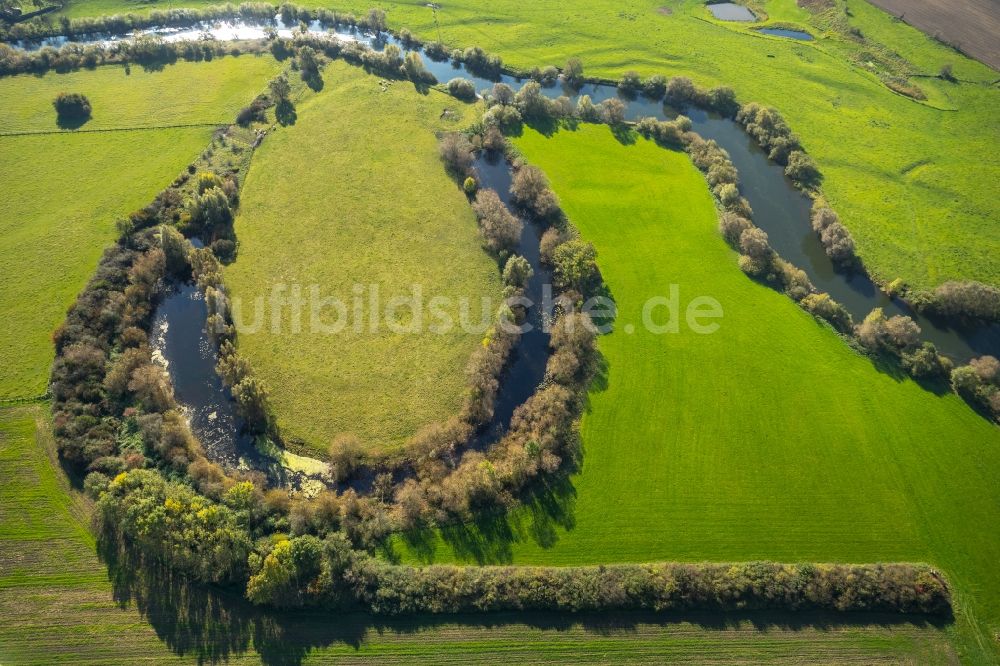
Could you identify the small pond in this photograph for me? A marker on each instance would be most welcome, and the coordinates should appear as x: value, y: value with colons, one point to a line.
x: 730, y: 11
x: 790, y: 34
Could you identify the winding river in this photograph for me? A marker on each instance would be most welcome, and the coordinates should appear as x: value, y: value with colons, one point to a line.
x: 779, y: 208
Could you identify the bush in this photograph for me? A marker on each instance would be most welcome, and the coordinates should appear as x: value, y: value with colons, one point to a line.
x: 896, y: 334
x: 501, y: 231
x: 517, y: 271
x: 530, y: 101
x: 967, y: 300
x: 926, y: 363
x: 530, y: 189
x: 456, y: 152
x: 72, y: 107
x: 630, y: 83
x: 413, y: 68
x: 754, y: 244
x: 824, y: 307
x: 575, y: 264
x: 802, y: 169
x: 461, y: 88
x: 613, y: 111
x: 346, y: 455
x: 573, y: 72
x: 732, y: 226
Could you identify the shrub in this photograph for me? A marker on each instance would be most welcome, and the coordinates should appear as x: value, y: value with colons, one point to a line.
x: 573, y: 72
x: 501, y: 231
x: 681, y: 91
x: 655, y: 87
x: 630, y: 83
x: 346, y: 455
x: 587, y: 110
x: 517, y: 271
x: 926, y: 363
x: 754, y: 244
x: 530, y: 101
x: 967, y: 300
x: 824, y: 307
x: 72, y: 106
x: 548, y: 244
x: 469, y: 185
x: 613, y: 111
x: 575, y: 264
x: 456, y: 152
x: 413, y: 68
x: 732, y: 226
x: 530, y: 189
x: 895, y: 334
x: 802, y: 169
x: 462, y: 88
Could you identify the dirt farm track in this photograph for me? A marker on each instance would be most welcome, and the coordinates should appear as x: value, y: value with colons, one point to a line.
x: 973, y: 26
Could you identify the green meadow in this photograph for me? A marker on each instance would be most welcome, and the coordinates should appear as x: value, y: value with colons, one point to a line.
x: 768, y: 439
x: 354, y: 194
x: 63, y: 190
x: 59, y: 606
x: 910, y: 179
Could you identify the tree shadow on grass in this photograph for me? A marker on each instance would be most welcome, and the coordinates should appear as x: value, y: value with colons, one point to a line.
x: 284, y: 113
x: 71, y: 122
x: 213, y: 624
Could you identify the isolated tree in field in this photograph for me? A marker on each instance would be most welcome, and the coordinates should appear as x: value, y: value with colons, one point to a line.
x: 573, y: 72
x: 72, y: 107
x: 456, y: 152
x: 500, y: 229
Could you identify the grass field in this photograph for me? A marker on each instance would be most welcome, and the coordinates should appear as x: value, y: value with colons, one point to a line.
x: 63, y: 191
x: 355, y: 194
x: 58, y: 606
x: 769, y: 439
x: 898, y: 171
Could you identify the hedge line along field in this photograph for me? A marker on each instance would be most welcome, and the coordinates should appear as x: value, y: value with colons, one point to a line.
x: 899, y: 172
x: 58, y: 606
x: 64, y: 190
x: 768, y: 439
x: 354, y: 194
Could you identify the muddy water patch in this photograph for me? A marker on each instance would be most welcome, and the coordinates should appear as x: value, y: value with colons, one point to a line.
x: 730, y: 11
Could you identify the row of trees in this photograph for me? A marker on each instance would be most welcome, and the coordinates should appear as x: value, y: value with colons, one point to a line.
x: 308, y: 571
x: 773, y: 134
x: 145, y: 51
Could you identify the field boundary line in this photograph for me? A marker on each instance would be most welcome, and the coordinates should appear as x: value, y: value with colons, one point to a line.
x: 112, y: 129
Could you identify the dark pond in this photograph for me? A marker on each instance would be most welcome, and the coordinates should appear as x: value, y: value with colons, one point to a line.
x: 791, y: 34
x: 730, y: 11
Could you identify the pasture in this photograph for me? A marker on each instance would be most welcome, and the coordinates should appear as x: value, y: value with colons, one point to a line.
x: 53, y: 240
x: 897, y: 170
x: 768, y: 439
x: 59, y: 606
x: 353, y: 196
